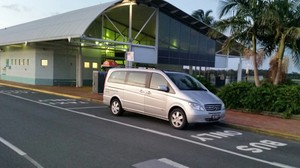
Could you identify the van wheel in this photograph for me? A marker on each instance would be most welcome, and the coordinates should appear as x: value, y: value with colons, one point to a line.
x: 178, y: 119
x: 116, y: 107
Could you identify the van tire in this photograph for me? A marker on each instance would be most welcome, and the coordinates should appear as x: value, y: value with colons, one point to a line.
x: 178, y: 119
x: 116, y: 107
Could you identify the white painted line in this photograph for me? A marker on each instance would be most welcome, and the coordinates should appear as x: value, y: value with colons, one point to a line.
x: 91, y: 107
x: 171, y: 163
x: 159, y: 163
x: 20, y: 152
x: 11, y: 146
x: 33, y: 161
x: 162, y: 134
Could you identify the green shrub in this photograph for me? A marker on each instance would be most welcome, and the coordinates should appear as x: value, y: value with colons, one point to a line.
x: 259, y: 98
x: 284, y: 99
x: 234, y: 94
x: 287, y: 100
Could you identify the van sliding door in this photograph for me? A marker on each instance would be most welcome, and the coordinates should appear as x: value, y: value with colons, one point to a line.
x: 134, y: 91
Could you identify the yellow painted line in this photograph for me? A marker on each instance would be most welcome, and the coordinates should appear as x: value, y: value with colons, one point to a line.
x: 42, y: 91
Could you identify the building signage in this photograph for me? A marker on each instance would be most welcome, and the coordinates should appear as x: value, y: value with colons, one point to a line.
x: 130, y: 56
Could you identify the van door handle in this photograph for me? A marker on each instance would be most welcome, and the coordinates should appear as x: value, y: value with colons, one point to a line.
x: 141, y: 91
x: 148, y: 92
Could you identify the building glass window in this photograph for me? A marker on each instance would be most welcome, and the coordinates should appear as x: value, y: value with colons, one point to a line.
x: 86, y: 65
x: 7, y: 62
x: 44, y: 62
x: 95, y: 65
x: 118, y: 30
x: 180, y: 44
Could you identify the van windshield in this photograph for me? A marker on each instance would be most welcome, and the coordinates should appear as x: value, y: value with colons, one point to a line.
x: 185, y: 81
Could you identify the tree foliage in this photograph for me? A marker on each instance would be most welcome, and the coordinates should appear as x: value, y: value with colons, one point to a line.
x: 273, y: 25
x: 284, y: 31
x: 205, y: 17
x: 243, y: 23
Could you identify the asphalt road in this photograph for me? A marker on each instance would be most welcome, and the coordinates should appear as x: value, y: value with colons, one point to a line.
x: 42, y: 130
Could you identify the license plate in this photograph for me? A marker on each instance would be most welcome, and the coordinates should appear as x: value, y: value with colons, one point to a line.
x: 215, y: 117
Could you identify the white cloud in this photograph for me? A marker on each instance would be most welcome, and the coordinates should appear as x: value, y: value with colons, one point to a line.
x: 16, y: 8
x: 13, y: 7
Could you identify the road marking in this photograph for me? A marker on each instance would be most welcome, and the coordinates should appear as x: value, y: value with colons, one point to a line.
x: 160, y: 163
x: 160, y: 133
x: 63, y: 101
x: 11, y: 146
x: 259, y: 147
x: 171, y: 163
x: 216, y: 135
x: 20, y: 152
x: 91, y: 107
x: 17, y: 91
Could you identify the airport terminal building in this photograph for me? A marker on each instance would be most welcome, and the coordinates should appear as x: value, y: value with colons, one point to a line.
x: 65, y: 49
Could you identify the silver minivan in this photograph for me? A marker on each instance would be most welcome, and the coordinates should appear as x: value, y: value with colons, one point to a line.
x: 173, y: 96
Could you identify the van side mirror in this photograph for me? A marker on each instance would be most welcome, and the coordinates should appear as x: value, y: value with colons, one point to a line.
x: 163, y: 88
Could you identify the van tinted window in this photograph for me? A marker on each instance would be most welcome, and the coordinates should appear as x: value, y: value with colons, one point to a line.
x: 185, y: 82
x: 117, y: 77
x: 157, y: 80
x: 137, y: 78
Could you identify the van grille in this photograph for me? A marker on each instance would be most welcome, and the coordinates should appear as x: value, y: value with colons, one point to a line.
x: 213, y: 107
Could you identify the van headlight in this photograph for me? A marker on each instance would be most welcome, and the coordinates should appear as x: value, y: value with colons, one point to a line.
x: 223, y: 106
x: 196, y: 106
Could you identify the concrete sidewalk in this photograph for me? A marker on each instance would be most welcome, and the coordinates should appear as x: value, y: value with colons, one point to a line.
x: 286, y: 128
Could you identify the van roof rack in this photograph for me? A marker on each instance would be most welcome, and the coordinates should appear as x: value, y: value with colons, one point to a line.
x: 146, y: 68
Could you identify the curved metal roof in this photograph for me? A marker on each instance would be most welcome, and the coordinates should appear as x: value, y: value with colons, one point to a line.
x: 63, y: 26
x: 74, y: 24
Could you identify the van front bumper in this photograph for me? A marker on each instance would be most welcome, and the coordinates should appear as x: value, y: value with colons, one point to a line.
x: 205, y: 116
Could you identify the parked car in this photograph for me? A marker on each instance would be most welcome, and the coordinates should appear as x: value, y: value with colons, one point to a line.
x: 173, y: 96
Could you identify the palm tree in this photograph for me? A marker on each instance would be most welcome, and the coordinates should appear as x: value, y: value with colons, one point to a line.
x: 204, y: 16
x: 244, y: 26
x: 284, y: 19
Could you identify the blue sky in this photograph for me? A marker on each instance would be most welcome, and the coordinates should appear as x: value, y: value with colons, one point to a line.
x: 14, y: 12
